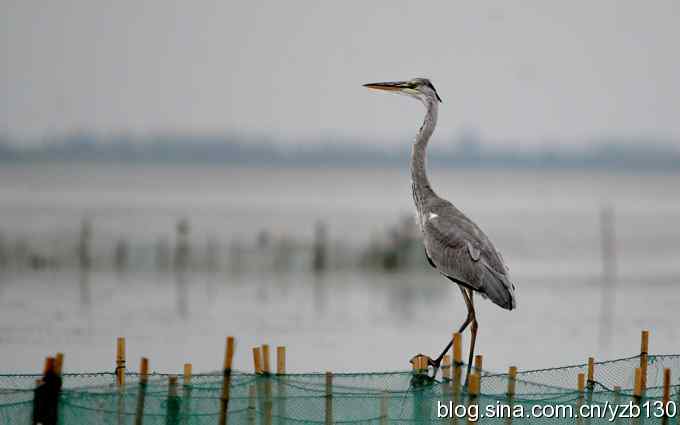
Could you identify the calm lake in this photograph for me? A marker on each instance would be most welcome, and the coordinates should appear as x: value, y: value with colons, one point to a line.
x: 545, y: 222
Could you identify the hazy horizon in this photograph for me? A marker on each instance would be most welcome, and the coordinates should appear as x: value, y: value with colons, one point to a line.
x: 530, y: 72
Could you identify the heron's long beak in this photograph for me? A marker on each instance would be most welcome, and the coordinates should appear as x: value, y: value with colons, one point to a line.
x: 390, y: 86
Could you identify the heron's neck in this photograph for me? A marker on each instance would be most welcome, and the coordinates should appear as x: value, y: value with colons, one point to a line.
x: 419, y: 181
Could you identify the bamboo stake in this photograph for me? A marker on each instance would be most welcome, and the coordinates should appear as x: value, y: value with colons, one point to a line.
x: 257, y: 365
x: 474, y: 384
x: 644, y: 350
x: 226, y: 383
x: 49, y: 365
x: 58, y: 363
x: 280, y: 385
x: 666, y: 392
x: 265, y: 358
x: 512, y: 386
x: 120, y: 362
x: 446, y: 368
x: 186, y: 378
x: 637, y: 389
x: 419, y: 364
x: 120, y: 376
x: 141, y: 396
x: 590, y: 383
x: 512, y: 381
x: 186, y: 390
x: 581, y: 386
x: 280, y: 360
x: 478, y: 363
x: 457, y: 362
x: 329, y: 398
x: 45, y: 408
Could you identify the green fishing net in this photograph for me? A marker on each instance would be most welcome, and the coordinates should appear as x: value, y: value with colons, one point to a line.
x: 352, y: 398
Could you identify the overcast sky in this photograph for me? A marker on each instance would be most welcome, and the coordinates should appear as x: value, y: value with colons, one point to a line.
x: 527, y: 71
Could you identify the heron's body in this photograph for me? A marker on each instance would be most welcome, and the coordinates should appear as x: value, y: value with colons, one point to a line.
x: 454, y: 244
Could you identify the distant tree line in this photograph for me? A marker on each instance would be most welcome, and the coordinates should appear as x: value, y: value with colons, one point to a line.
x: 471, y: 152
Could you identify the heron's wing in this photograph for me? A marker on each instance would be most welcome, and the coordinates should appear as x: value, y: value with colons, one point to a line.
x: 462, y: 252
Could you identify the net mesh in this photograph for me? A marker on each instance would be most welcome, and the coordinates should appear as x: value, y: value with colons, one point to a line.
x: 356, y: 398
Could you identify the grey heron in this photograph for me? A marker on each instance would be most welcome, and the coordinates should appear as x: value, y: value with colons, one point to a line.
x: 454, y: 245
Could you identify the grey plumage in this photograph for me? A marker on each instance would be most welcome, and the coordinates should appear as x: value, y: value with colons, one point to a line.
x: 454, y: 244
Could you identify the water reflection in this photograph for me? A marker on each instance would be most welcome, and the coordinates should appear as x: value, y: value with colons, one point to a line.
x: 330, y: 320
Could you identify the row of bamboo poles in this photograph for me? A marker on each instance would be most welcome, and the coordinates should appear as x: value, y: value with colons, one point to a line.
x: 45, y: 410
x: 165, y: 255
x: 452, y: 375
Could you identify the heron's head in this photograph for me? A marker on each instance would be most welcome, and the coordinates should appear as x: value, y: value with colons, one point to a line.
x: 420, y: 88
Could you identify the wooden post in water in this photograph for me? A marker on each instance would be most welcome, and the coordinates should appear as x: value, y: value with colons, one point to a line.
x: 257, y: 363
x: 637, y: 388
x: 186, y: 392
x: 666, y: 394
x: 512, y: 382
x: 84, y: 254
x: 590, y: 383
x: 226, y: 383
x: 143, y: 380
x: 581, y: 387
x: 120, y: 377
x: 173, y: 404
x: 329, y: 398
x: 446, y: 368
x: 512, y: 386
x: 319, y: 247
x: 280, y: 360
x: 120, y: 362
x: 644, y: 350
x: 457, y: 363
x: 58, y: 363
x: 479, y: 363
x: 46, y: 395
x: 265, y: 359
x: 182, y: 249
x: 420, y: 364
x: 281, y: 410
x: 456, y: 372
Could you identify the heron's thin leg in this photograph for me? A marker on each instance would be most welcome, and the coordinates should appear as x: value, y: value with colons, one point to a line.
x: 462, y: 328
x: 473, y: 331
